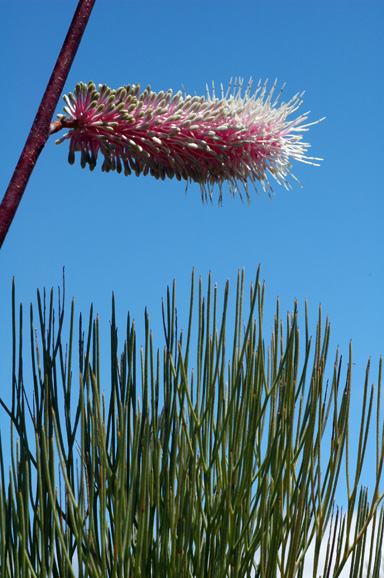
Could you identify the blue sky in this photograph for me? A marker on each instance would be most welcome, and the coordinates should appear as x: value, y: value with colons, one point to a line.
x: 133, y: 236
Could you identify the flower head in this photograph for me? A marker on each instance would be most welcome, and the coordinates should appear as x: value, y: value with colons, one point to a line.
x: 238, y: 138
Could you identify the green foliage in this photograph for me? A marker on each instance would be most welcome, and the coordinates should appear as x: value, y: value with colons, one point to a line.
x: 224, y: 465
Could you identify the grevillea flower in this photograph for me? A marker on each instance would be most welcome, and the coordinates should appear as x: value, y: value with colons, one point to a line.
x: 238, y: 138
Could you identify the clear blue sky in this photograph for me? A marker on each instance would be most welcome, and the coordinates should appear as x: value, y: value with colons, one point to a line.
x: 133, y: 236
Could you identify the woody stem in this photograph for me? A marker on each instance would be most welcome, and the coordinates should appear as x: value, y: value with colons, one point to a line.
x: 40, y: 130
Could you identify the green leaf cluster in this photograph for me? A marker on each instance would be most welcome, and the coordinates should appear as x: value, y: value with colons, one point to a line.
x: 217, y: 456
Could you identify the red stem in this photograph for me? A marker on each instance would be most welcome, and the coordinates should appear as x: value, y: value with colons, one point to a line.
x: 40, y: 130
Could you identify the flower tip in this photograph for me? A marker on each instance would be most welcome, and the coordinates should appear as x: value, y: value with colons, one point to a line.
x: 71, y: 155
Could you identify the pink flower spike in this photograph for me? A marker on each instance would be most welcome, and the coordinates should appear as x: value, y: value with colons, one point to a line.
x: 237, y: 138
